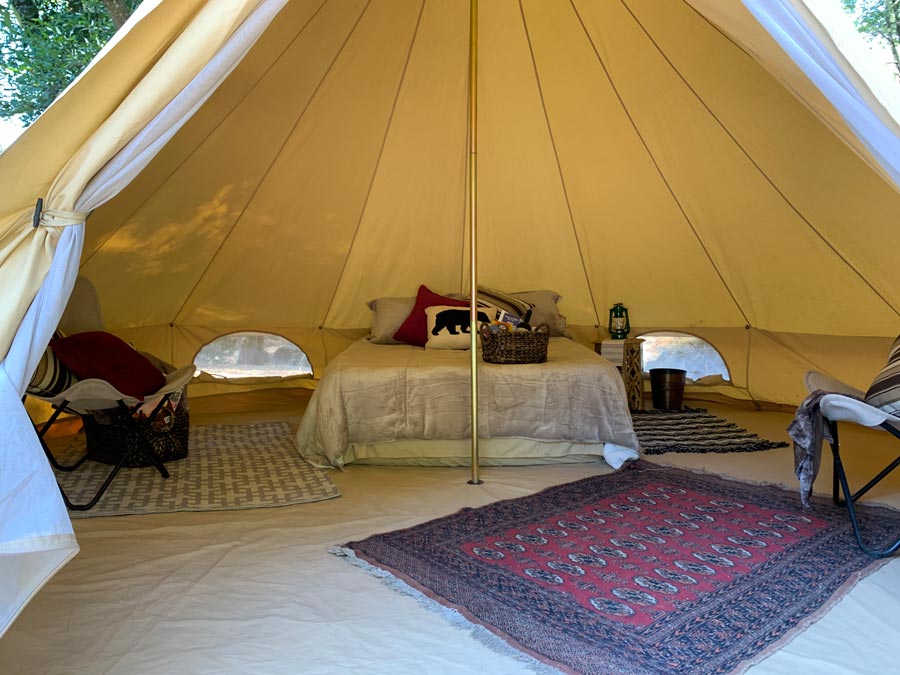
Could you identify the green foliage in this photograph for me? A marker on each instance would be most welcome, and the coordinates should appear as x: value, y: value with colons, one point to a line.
x: 44, y: 45
x: 880, y: 20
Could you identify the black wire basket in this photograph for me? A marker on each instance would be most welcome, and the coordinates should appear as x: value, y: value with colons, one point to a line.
x: 108, y: 434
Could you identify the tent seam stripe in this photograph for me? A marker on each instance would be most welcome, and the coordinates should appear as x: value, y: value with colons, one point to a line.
x: 272, y: 162
x: 659, y: 170
x: 559, y: 169
x: 387, y: 132
x: 750, y: 158
x: 202, y: 141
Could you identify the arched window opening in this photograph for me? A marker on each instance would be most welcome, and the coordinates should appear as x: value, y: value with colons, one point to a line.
x: 688, y: 352
x: 252, y: 354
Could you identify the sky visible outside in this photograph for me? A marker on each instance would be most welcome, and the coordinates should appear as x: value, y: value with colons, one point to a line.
x: 9, y: 131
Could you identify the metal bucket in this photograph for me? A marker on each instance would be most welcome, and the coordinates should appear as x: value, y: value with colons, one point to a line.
x: 667, y: 386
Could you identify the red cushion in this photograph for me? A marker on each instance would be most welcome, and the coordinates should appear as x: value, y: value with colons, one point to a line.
x: 414, y: 331
x: 106, y: 357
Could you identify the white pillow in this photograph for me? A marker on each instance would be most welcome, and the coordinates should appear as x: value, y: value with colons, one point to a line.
x: 448, y: 327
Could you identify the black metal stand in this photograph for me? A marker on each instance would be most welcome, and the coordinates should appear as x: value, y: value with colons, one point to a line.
x: 53, y: 461
x: 143, y: 445
x: 840, y: 483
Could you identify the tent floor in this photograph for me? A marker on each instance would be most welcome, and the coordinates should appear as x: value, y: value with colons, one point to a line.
x: 257, y: 592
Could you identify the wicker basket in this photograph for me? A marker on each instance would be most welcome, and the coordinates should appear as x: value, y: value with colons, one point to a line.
x: 506, y: 347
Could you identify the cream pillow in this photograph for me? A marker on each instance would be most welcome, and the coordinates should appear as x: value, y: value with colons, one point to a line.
x: 448, y: 327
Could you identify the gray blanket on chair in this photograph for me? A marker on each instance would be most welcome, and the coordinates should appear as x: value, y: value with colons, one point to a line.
x: 808, y: 430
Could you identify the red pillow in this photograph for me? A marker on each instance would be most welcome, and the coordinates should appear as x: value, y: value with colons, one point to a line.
x: 107, y: 357
x: 414, y: 331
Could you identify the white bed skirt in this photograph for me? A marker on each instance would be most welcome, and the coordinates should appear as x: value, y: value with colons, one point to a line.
x: 491, y: 452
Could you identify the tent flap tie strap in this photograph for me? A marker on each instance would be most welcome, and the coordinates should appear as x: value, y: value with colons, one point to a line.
x: 54, y: 218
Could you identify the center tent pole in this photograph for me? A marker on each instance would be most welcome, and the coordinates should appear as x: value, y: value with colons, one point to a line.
x: 473, y: 247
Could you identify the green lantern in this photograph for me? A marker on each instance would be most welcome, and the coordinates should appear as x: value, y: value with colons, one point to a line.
x: 618, y: 322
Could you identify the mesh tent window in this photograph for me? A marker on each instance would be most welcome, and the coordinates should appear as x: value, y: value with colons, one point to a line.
x: 688, y: 352
x: 252, y: 354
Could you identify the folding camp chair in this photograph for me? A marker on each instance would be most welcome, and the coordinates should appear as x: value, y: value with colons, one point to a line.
x: 86, y: 397
x: 92, y: 395
x: 844, y: 403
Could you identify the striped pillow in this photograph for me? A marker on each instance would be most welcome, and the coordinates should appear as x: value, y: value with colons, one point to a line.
x: 885, y: 390
x: 50, y: 377
x: 506, y: 302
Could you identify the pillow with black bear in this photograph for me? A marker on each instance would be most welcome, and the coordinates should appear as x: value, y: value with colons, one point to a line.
x: 448, y: 327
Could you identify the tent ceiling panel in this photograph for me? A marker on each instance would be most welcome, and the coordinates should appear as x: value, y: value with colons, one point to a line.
x: 309, y: 37
x: 280, y: 167
x: 412, y: 230
x: 782, y: 136
x: 152, y: 246
x: 526, y: 237
x: 191, y: 197
x: 629, y: 225
x: 730, y: 202
x: 304, y: 215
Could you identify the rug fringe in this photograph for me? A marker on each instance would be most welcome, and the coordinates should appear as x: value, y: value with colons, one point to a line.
x: 652, y: 465
x: 493, y: 642
x: 659, y: 411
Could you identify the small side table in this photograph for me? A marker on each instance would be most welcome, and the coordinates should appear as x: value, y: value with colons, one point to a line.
x: 626, y: 356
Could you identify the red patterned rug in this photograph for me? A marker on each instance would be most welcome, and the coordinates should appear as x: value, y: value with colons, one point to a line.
x: 650, y: 570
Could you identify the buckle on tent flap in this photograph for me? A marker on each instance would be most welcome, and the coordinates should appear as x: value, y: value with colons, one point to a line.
x: 38, y: 208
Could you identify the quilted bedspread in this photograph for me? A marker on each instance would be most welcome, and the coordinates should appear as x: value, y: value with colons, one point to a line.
x: 379, y: 393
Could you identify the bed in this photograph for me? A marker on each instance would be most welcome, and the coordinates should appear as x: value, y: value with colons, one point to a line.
x: 402, y: 404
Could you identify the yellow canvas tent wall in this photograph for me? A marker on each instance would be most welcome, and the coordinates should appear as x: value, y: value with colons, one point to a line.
x: 669, y: 154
